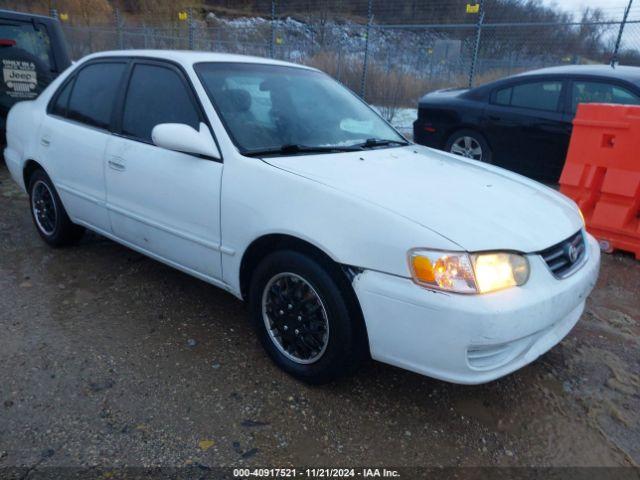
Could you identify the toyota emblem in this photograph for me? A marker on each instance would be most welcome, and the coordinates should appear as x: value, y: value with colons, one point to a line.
x: 572, y: 254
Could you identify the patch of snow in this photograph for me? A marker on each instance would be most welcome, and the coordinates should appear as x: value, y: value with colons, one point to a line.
x: 402, y: 119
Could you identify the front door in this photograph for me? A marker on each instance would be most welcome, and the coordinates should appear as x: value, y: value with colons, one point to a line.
x: 163, y: 202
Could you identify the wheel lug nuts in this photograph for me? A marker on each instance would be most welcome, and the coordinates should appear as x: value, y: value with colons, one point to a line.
x: 285, y: 328
x: 281, y: 312
x: 299, y: 318
x: 296, y: 331
x: 290, y: 307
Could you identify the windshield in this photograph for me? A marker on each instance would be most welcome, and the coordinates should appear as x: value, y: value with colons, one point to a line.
x: 272, y: 108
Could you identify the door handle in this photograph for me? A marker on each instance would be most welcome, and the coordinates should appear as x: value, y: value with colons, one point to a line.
x: 116, y: 163
x: 552, y: 127
x: 45, y: 141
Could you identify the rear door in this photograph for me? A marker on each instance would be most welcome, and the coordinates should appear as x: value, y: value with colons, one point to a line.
x: 163, y: 202
x: 527, y: 122
x: 73, y: 138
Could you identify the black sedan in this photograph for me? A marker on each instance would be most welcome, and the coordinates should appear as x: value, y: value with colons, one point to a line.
x: 522, y: 123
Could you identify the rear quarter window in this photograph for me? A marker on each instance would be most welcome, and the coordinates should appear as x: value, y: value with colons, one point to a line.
x: 61, y: 100
x: 503, y: 96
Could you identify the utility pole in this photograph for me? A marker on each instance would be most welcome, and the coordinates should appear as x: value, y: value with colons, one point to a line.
x: 272, y: 40
x: 476, y: 49
x: 118, y: 21
x: 614, y: 57
x: 53, y: 9
x: 191, y: 26
x: 363, y: 81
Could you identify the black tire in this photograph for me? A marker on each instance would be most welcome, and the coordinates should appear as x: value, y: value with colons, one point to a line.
x: 346, y: 338
x: 59, y: 231
x: 459, y: 136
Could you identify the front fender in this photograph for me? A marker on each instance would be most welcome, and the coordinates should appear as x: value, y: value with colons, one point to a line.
x: 260, y: 199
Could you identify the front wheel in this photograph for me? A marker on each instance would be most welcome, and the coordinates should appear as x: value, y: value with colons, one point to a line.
x: 304, y: 318
x: 48, y: 213
x: 469, y: 144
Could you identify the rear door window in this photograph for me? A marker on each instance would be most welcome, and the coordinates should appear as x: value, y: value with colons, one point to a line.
x: 534, y: 95
x: 601, y: 92
x: 94, y: 93
x: 156, y: 95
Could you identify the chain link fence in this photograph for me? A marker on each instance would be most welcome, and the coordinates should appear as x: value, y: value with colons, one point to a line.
x: 387, y: 54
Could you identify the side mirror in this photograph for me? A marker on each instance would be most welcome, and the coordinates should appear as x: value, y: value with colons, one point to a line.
x: 183, y: 138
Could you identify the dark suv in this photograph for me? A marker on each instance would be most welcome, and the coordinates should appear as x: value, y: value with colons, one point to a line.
x: 33, y: 52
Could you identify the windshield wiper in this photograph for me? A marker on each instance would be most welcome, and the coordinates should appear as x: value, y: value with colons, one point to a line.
x: 380, y: 142
x: 294, y: 148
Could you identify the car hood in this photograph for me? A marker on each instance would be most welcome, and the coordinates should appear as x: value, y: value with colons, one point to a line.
x: 477, y: 206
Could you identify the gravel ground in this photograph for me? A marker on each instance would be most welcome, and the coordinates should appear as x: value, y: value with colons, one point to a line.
x: 109, y: 358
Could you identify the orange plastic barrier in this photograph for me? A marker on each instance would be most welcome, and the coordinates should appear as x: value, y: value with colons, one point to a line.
x: 602, y: 173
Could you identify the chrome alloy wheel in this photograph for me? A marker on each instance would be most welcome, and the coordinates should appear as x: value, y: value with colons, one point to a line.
x: 295, y: 318
x: 467, y: 147
x: 44, y: 208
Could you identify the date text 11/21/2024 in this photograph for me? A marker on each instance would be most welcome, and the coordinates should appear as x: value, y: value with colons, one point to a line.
x: 315, y: 473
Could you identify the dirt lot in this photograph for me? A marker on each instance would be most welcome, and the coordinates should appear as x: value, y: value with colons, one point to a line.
x: 109, y: 358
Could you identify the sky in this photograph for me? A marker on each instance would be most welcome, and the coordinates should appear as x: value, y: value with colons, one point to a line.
x: 612, y: 8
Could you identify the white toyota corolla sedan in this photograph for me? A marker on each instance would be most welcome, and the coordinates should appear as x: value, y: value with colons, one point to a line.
x: 276, y: 183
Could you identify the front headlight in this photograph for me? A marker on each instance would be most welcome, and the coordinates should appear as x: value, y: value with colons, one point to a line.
x: 495, y: 271
x: 461, y: 272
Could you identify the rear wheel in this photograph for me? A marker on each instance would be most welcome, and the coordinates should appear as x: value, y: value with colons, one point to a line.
x: 469, y: 144
x: 304, y: 319
x: 48, y: 213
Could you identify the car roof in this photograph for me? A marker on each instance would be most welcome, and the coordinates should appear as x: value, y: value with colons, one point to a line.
x: 12, y: 15
x: 622, y: 72
x: 189, y: 57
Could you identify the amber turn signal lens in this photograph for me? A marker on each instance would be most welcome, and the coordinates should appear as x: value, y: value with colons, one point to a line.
x: 423, y: 269
x: 450, y: 271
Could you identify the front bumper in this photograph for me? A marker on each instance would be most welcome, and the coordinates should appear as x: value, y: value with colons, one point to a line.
x: 472, y: 339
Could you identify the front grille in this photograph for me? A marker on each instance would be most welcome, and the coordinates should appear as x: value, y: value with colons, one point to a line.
x: 565, y: 257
